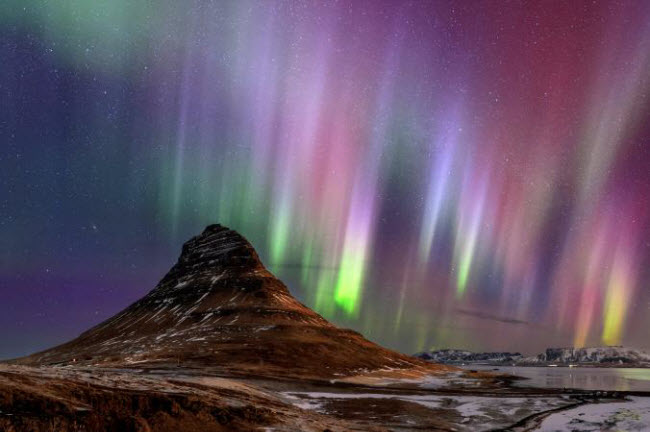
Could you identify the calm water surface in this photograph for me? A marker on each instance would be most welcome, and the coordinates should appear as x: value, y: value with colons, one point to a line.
x: 580, y: 378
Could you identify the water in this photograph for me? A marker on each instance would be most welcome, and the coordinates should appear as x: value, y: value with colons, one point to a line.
x: 619, y: 379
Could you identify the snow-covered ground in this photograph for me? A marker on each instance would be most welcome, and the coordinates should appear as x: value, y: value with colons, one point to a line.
x: 633, y: 415
x: 477, y: 412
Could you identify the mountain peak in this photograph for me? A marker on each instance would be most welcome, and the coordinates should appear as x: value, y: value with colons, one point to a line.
x: 219, y: 246
x: 218, y: 307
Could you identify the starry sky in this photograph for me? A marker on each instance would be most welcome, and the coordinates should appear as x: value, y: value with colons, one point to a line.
x: 466, y: 174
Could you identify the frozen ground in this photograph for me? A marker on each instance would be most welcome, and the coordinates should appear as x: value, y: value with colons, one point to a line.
x: 632, y: 415
x: 470, y: 413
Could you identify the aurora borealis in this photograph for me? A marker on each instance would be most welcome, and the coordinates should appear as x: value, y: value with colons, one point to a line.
x: 433, y: 174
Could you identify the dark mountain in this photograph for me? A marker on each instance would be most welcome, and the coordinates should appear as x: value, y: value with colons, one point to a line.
x: 218, y: 307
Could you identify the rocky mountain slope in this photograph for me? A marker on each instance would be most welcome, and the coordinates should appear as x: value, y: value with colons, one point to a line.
x: 218, y: 307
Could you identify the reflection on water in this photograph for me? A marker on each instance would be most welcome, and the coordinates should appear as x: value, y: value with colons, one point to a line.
x: 580, y: 378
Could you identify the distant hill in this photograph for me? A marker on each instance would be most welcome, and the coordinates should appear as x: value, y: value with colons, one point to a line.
x: 601, y: 356
x: 610, y: 356
x: 453, y: 356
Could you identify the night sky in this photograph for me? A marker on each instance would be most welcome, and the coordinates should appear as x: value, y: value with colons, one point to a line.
x: 471, y: 174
